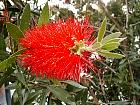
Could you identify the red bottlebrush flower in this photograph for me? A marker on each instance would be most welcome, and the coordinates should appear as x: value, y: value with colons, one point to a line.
x: 56, y: 49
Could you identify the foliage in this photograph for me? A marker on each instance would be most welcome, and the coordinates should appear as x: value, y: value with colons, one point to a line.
x: 117, y: 81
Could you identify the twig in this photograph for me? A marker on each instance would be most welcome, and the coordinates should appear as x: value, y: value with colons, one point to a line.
x: 108, y: 67
x: 127, y: 14
x: 135, y: 24
x: 95, y: 101
x: 37, y: 84
x: 102, y: 86
x: 130, y: 68
x: 121, y: 29
x: 132, y: 80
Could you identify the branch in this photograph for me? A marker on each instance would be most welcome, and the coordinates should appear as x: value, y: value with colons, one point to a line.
x: 127, y: 14
x: 102, y: 86
x: 121, y: 29
x: 108, y: 67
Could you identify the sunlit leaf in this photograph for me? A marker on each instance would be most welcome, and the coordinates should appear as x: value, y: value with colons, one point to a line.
x: 111, y: 36
x: 102, y: 30
x: 116, y: 40
x: 111, y: 46
x: 96, y: 45
x: 25, y: 18
x: 44, y: 17
x: 108, y: 54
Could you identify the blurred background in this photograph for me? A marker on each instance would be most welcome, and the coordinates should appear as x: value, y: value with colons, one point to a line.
x: 117, y: 83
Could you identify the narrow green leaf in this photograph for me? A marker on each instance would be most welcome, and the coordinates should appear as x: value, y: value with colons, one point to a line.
x: 115, y: 40
x: 25, y: 97
x: 14, y: 31
x: 43, y: 97
x: 44, y: 17
x: 25, y: 18
x: 6, y: 63
x: 102, y: 31
x: 108, y: 54
x: 75, y: 84
x: 20, y: 76
x: 119, y: 103
x: 111, y: 36
x: 61, y: 94
x: 112, y: 28
x: 32, y: 96
x: 136, y: 85
x: 15, y: 98
x: 50, y: 102
x: 21, y: 93
x: 96, y: 45
x: 110, y: 46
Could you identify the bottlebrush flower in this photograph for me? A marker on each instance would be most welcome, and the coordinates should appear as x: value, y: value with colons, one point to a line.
x: 57, y: 49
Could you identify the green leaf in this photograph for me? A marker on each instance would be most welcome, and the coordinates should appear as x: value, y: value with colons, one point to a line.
x: 21, y: 76
x: 112, y: 28
x: 55, y: 81
x: 119, y: 103
x: 25, y: 97
x: 84, y: 97
x: 14, y: 31
x: 102, y: 31
x: 6, y: 63
x: 32, y: 96
x: 50, y: 102
x: 25, y: 18
x: 108, y: 54
x: 3, y: 55
x: 75, y: 84
x: 15, y: 100
x: 111, y: 36
x: 96, y: 45
x: 43, y: 97
x: 61, y: 94
x: 44, y: 17
x: 116, y: 40
x: 5, y: 77
x: 110, y: 46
